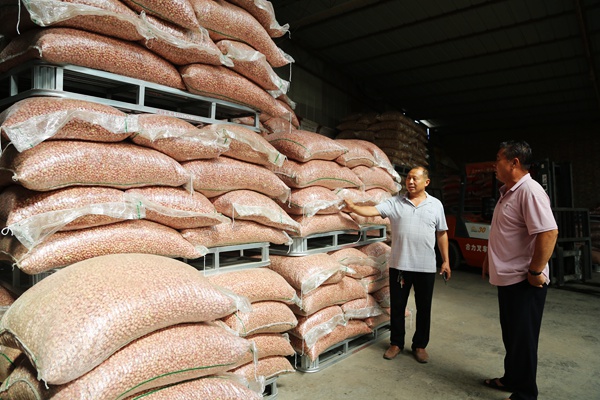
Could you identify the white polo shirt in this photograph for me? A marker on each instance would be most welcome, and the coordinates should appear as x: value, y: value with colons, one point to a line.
x: 520, y: 214
x: 413, y: 231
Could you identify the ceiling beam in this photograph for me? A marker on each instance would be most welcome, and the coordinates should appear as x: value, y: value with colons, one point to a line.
x: 331, y: 13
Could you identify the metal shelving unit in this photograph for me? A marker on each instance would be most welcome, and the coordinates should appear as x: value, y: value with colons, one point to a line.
x: 331, y: 241
x: 341, y: 350
x: 37, y: 78
x: 232, y: 258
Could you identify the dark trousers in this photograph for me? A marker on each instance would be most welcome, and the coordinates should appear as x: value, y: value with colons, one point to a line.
x: 521, y: 308
x: 423, y: 286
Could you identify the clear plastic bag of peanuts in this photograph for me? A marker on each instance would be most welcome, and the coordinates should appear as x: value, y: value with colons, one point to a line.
x: 313, y: 327
x: 33, y: 216
x: 181, y: 46
x: 264, y: 13
x: 74, y: 319
x: 178, y: 138
x: 106, y: 17
x: 31, y: 121
x: 254, y: 66
x: 247, y: 145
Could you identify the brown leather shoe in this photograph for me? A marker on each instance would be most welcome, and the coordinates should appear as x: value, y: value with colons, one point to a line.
x: 421, y: 355
x: 392, y: 352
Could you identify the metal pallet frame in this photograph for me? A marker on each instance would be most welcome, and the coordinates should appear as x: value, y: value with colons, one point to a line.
x: 331, y: 241
x: 271, y: 391
x: 232, y: 258
x: 37, y: 78
x: 340, y: 351
x: 24, y: 281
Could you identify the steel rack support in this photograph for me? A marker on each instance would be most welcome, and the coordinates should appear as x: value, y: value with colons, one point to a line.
x: 331, y: 241
x: 37, y: 78
x: 232, y: 258
x: 341, y: 350
x: 271, y: 390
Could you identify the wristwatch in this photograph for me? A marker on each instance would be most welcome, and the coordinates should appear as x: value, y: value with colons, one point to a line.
x: 535, y: 273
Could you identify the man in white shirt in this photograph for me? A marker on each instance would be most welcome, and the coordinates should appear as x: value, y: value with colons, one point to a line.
x: 417, y: 219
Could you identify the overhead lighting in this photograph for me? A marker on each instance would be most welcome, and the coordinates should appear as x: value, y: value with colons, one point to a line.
x: 428, y: 124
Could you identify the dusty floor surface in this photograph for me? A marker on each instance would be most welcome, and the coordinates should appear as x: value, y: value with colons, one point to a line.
x: 466, y: 348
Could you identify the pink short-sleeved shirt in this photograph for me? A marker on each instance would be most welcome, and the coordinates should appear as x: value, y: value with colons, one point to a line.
x: 520, y: 214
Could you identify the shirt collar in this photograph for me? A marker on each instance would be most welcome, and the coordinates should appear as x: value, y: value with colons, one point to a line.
x: 525, y: 178
x: 406, y: 198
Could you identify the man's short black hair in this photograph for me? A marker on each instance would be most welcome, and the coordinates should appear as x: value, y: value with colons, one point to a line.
x: 517, y: 149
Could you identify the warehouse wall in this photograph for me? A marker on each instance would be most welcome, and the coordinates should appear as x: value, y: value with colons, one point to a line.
x: 322, y: 94
x: 575, y: 143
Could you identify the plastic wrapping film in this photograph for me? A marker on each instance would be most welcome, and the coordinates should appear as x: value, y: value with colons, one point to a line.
x: 317, y: 332
x: 176, y: 207
x: 303, y: 146
x: 265, y: 317
x: 60, y: 163
x: 270, y: 344
x: 222, y: 83
x: 31, y: 121
x: 257, y: 284
x: 353, y: 256
x: 358, y: 154
x: 264, y: 13
x: 218, y: 176
x: 63, y: 249
x: 235, y: 233
x: 380, y: 251
x: 123, y: 22
x: 90, y: 50
x: 178, y: 138
x: 306, y: 273
x: 376, y: 177
x: 327, y: 295
x: 227, y: 21
x: 178, y: 12
x: 254, y: 66
x: 325, y: 173
x: 325, y: 223
x: 254, y: 206
x: 313, y: 200
x: 22, y: 383
x: 179, y: 45
x: 256, y: 147
x: 35, y: 229
x: 339, y: 333
x: 104, y: 303
x: 361, y: 308
x: 266, y: 367
x: 225, y: 386
x: 32, y: 216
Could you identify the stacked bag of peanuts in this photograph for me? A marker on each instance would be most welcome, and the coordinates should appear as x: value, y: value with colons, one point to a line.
x: 105, y: 203
x: 341, y: 293
x: 85, y: 183
x: 399, y: 137
x: 215, y: 48
x: 125, y: 326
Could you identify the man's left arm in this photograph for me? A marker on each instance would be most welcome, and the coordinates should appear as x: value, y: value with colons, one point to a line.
x: 442, y: 242
x: 544, y: 247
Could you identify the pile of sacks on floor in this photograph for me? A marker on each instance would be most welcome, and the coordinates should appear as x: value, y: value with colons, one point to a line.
x: 402, y: 139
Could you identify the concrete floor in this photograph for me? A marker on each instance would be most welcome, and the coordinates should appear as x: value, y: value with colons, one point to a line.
x: 465, y: 349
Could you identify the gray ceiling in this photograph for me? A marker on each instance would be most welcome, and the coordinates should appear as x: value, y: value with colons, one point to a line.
x: 466, y: 66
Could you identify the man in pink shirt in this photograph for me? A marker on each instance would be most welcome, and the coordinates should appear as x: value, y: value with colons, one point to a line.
x: 522, y: 238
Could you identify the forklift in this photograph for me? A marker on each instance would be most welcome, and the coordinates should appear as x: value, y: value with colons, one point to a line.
x: 469, y: 219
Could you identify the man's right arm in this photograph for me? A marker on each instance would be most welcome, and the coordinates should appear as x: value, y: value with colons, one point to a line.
x: 365, y: 211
